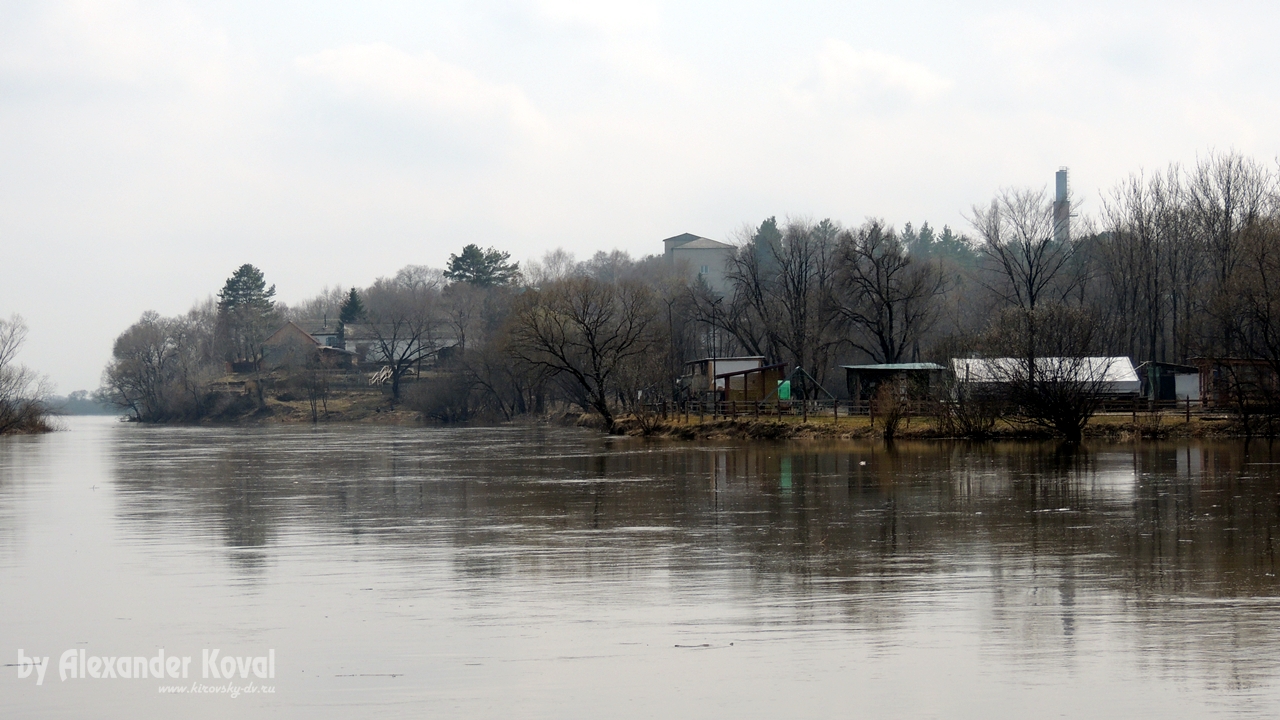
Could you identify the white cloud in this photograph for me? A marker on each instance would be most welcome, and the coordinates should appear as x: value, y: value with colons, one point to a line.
x: 421, y: 83
x: 614, y: 18
x: 842, y: 74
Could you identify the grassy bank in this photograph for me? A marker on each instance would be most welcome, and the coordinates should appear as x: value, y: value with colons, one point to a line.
x: 1117, y: 426
x: 372, y: 405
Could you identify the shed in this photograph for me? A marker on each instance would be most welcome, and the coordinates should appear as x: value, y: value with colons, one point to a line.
x: 753, y: 384
x: 863, y: 380
x: 1162, y: 381
x: 701, y: 376
x: 1231, y: 381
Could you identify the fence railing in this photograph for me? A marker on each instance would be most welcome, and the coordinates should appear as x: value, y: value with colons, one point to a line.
x: 835, y: 409
x: 731, y: 409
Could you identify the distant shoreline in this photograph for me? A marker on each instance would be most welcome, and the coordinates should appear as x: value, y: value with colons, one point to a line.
x: 1115, y: 427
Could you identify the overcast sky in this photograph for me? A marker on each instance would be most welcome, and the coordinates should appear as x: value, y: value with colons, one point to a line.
x: 147, y: 149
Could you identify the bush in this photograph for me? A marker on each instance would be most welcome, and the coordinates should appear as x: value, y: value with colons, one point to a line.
x: 445, y: 398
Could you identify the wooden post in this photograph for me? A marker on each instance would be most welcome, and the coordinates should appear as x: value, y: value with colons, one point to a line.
x: 835, y: 412
x: 1188, y: 408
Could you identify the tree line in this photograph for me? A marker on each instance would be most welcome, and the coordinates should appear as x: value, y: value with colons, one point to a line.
x: 1174, y: 264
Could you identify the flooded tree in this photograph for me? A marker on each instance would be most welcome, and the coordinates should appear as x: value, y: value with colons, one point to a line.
x: 1046, y: 365
x: 161, y: 368
x: 23, y: 393
x: 596, y: 337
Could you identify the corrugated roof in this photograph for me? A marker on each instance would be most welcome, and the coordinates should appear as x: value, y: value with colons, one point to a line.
x: 888, y: 367
x: 727, y: 359
x: 1177, y: 368
x: 1104, y: 369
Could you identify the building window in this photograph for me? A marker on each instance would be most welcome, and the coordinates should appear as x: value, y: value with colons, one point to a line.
x: 703, y: 271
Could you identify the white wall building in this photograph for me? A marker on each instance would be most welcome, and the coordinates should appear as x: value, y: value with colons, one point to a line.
x: 703, y: 256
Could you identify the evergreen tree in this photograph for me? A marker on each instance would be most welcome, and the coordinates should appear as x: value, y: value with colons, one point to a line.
x: 351, y: 311
x: 956, y: 248
x: 484, y: 268
x: 767, y: 245
x: 246, y: 311
x: 909, y: 238
x: 926, y: 234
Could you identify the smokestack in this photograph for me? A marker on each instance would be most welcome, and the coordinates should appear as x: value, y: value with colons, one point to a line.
x: 1061, y: 208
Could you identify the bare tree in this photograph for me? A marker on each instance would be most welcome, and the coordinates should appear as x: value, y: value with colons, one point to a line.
x: 888, y: 297
x: 140, y: 374
x: 1052, y: 380
x: 321, y: 311
x: 589, y: 333
x: 1227, y: 196
x: 782, y: 281
x: 555, y: 265
x: 1251, y: 318
x: 1227, y: 193
x: 1025, y: 263
x: 403, y: 320
x: 23, y: 393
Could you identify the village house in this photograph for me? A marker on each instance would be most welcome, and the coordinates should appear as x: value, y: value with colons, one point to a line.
x: 291, y: 346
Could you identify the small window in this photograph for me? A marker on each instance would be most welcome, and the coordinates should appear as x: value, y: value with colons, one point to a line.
x: 703, y: 271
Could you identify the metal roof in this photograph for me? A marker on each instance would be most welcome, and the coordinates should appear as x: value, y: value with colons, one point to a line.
x: 724, y: 359
x: 890, y: 367
x: 1102, y: 369
x: 1177, y: 368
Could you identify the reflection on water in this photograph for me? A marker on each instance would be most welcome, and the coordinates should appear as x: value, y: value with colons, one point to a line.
x: 552, y: 572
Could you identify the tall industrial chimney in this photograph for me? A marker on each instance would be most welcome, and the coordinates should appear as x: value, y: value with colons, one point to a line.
x: 1061, y: 208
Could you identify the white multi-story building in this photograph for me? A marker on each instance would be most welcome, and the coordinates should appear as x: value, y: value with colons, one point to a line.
x: 702, y: 256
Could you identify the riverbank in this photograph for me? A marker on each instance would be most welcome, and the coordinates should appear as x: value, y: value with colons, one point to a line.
x: 373, y: 406
x: 1112, y: 426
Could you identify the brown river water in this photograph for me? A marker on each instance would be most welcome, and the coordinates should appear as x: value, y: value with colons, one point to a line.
x: 534, y: 572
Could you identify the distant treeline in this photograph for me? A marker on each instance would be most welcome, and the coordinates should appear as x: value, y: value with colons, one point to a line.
x: 1174, y: 264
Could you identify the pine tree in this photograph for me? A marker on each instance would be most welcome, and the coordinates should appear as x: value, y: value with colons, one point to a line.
x: 245, y: 313
x: 352, y: 310
x: 767, y: 245
x: 484, y: 268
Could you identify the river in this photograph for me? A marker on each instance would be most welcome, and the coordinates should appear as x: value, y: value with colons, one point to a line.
x: 538, y: 572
